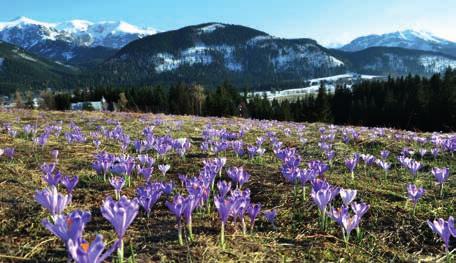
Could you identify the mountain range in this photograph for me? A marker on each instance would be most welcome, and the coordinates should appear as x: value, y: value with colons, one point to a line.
x: 117, y: 53
x: 212, y: 52
x: 410, y: 39
x: 71, y: 41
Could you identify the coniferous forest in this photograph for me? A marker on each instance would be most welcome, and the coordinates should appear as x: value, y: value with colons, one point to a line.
x: 411, y: 102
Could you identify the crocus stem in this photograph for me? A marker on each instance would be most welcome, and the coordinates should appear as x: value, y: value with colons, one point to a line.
x: 179, y: 233
x: 120, y: 251
x: 189, y: 227
x: 414, y: 208
x: 353, y: 175
x: 303, y: 193
x: 244, y: 226
x: 222, y: 235
x: 441, y: 190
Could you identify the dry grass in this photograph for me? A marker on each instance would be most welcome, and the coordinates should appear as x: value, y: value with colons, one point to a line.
x: 391, y: 233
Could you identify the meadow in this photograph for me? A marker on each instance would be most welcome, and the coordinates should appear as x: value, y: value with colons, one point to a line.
x: 131, y: 187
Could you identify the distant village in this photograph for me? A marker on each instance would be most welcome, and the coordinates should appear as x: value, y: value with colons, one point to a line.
x: 311, y: 86
x: 38, y: 102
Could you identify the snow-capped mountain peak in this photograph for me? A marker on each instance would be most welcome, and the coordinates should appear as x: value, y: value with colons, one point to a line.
x: 74, y: 26
x: 23, y: 21
x: 411, y: 34
x: 26, y: 32
x: 411, y: 39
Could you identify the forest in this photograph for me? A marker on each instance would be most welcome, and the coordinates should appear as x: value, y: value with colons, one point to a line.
x: 410, y: 102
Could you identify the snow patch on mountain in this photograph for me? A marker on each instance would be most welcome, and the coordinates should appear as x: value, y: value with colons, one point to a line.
x: 258, y: 39
x: 436, y: 64
x: 1, y: 61
x: 168, y: 62
x: 199, y: 54
x: 210, y: 28
x: 24, y: 56
x: 305, y: 53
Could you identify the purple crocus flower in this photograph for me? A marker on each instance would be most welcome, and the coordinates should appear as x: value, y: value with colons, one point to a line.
x: 321, y: 198
x: 223, y: 207
x: 167, y: 188
x: 177, y: 208
x: 119, y: 169
x: 224, y: 187
x: 52, y: 200
x: 414, y: 167
x: 83, y: 252
x: 164, y: 168
x: 68, y: 227
x: 252, y: 211
x: 52, y: 179
x: 190, y: 203
x: 270, y: 216
x: 146, y: 172
x: 330, y: 154
x: 359, y: 208
x: 70, y: 183
x: 148, y: 196
x: 384, y: 154
x: 120, y: 213
x: 384, y: 165
x: 48, y: 168
x: 238, y: 148
x: 337, y: 214
x: 349, y: 223
x: 351, y: 165
x: 368, y: 159
x: 347, y: 195
x: 238, y: 175
x: 444, y: 229
x: 440, y: 174
x: 117, y: 182
x: 414, y: 193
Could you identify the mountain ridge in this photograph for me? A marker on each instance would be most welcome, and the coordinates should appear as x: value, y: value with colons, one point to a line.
x: 57, y: 40
x: 246, y: 55
x: 411, y: 39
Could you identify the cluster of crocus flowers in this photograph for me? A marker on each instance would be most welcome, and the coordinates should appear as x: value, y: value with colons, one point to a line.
x: 445, y: 229
x: 177, y: 208
x: 238, y: 176
x: 149, y: 194
x: 342, y: 215
x: 69, y: 227
x: 203, y: 189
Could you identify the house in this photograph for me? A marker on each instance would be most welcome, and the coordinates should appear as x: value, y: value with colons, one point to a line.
x: 90, y: 105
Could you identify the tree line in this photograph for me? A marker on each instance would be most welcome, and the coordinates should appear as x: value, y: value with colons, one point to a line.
x: 411, y: 102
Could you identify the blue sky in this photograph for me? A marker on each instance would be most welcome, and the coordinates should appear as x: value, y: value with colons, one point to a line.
x: 327, y: 21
